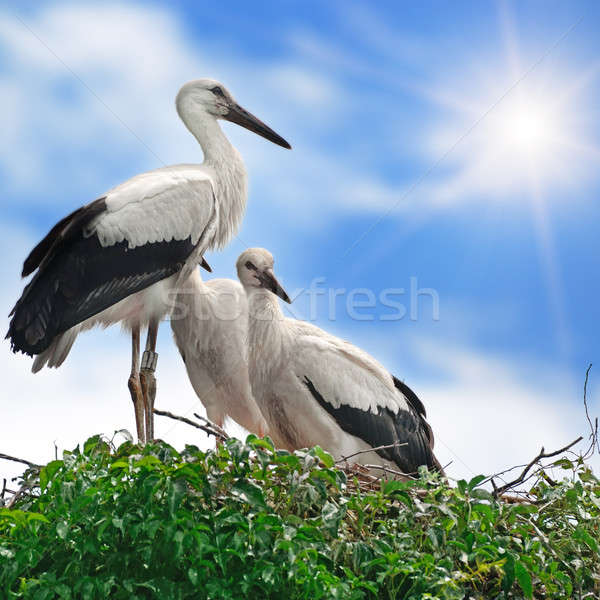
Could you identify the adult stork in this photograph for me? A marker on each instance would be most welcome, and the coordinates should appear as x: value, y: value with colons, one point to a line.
x: 314, y: 388
x: 119, y: 258
x: 210, y: 327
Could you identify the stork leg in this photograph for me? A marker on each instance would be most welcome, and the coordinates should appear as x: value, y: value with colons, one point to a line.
x: 147, y: 378
x: 135, y: 388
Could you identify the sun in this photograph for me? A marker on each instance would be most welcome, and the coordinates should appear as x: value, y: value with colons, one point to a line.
x: 499, y: 143
x: 525, y: 135
x: 511, y: 123
x: 527, y: 129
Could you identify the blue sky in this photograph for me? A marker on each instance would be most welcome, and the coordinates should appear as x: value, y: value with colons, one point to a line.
x: 454, y: 143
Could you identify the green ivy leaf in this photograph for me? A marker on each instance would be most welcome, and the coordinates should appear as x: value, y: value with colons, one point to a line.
x: 482, y: 494
x: 91, y: 444
x: 325, y: 457
x: 249, y: 492
x: 33, y: 516
x: 175, y: 493
x: 509, y: 574
x: 48, y: 472
x: 475, y: 482
x: 193, y: 575
x: 62, y: 529
x: 524, y: 579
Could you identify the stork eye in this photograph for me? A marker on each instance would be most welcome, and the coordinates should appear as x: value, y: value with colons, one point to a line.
x: 217, y: 91
x: 250, y: 266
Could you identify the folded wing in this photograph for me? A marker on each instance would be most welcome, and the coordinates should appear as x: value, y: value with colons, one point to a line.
x: 366, y: 401
x: 141, y: 232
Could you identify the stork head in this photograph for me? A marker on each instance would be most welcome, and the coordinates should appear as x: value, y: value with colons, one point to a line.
x: 255, y: 271
x: 211, y: 97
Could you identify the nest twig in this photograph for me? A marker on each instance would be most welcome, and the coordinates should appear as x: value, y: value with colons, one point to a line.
x: 210, y: 428
x: 525, y: 473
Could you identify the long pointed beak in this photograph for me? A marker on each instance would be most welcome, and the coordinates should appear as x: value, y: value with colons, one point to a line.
x: 269, y: 281
x: 205, y: 265
x: 242, y: 117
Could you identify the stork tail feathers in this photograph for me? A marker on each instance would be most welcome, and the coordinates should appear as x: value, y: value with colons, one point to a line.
x: 57, y: 352
x: 31, y: 328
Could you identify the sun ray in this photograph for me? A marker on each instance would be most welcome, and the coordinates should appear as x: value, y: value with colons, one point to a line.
x: 549, y: 264
x: 509, y: 37
x: 530, y: 125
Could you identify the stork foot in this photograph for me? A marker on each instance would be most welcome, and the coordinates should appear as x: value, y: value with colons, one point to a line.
x: 135, y: 389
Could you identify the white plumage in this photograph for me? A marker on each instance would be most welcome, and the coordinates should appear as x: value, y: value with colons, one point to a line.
x: 171, y: 203
x: 120, y: 258
x: 314, y: 388
x: 210, y: 327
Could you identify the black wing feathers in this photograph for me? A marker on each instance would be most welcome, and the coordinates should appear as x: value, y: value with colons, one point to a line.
x: 385, y: 428
x: 416, y: 403
x: 410, y: 396
x: 78, y: 278
x: 72, y: 223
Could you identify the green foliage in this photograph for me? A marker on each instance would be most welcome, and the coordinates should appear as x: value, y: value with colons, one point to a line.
x: 246, y: 521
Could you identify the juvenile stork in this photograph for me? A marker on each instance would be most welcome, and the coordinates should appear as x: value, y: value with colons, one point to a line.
x: 210, y: 327
x: 119, y: 258
x: 314, y: 388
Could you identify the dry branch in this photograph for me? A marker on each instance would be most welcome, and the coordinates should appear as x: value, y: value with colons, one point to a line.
x: 25, y: 488
x: 498, y: 491
x: 386, y: 447
x: 213, y: 425
x: 389, y: 471
x: 210, y: 429
x: 20, y: 492
x: 19, y: 460
x: 594, y: 443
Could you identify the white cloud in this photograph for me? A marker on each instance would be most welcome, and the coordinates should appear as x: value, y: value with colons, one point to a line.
x: 304, y: 87
x: 132, y: 61
x: 64, y: 143
x: 100, y: 78
x: 90, y: 89
x: 369, y: 28
x: 490, y: 412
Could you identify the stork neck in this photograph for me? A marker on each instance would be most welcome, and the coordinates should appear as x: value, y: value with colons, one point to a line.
x: 263, y: 307
x: 190, y: 292
x: 204, y: 127
x: 266, y: 330
x: 217, y: 149
x: 227, y: 167
x: 194, y: 281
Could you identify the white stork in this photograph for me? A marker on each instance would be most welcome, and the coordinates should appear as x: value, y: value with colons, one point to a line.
x: 118, y: 258
x: 210, y: 327
x: 314, y: 388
